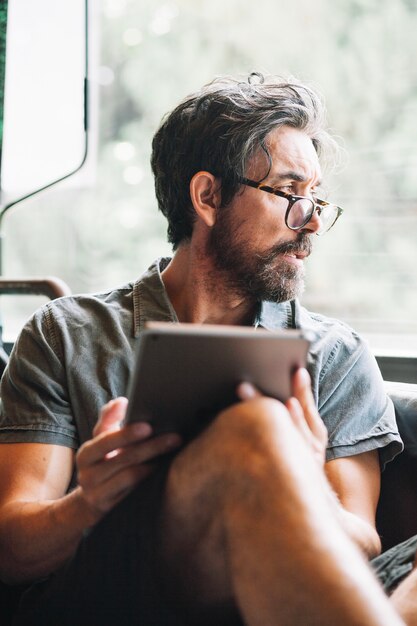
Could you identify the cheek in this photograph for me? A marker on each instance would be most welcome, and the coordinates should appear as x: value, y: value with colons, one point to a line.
x: 270, y: 231
x: 259, y: 225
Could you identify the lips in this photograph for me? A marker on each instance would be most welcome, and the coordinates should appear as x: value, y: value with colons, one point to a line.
x: 298, y: 255
x: 298, y: 249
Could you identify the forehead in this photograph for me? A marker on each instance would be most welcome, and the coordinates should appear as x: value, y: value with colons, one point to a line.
x: 291, y: 150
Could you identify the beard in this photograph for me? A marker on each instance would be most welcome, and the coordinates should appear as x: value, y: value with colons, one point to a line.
x: 257, y: 275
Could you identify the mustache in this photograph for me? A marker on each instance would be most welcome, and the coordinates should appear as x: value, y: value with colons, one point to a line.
x: 302, y: 245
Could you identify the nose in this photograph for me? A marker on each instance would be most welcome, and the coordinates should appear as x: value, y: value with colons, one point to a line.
x: 315, y: 223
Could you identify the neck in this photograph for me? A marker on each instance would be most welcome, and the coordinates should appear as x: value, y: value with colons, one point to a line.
x: 198, y: 293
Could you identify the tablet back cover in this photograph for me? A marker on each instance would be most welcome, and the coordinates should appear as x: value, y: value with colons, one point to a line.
x: 186, y: 373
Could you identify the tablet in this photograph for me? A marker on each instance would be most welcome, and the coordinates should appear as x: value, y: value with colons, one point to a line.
x: 186, y: 373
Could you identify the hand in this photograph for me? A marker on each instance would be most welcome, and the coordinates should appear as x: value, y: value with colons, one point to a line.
x: 305, y: 415
x: 117, y: 458
x: 302, y: 410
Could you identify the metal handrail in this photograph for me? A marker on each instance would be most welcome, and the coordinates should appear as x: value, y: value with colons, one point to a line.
x: 49, y: 286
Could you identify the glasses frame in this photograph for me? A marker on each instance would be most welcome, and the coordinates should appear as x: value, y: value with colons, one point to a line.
x: 317, y: 204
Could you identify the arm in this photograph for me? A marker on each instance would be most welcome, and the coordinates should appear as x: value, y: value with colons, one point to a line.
x: 40, y: 525
x: 355, y: 480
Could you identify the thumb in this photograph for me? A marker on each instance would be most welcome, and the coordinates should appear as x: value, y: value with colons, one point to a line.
x: 111, y: 416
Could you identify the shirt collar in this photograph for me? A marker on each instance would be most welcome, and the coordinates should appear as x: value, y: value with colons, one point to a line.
x: 151, y: 303
x: 150, y: 299
x: 277, y: 315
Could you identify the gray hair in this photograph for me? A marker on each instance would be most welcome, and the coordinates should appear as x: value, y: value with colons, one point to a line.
x: 219, y: 129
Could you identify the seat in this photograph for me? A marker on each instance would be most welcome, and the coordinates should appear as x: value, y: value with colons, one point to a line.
x: 397, y: 507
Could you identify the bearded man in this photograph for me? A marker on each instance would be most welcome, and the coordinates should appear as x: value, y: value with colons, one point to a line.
x: 262, y: 514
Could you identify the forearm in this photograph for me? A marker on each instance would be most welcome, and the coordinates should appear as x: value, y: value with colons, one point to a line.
x: 355, y: 484
x: 361, y: 533
x: 40, y: 527
x: 36, y: 538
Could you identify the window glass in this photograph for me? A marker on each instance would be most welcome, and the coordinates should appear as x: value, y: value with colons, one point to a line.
x: 104, y: 228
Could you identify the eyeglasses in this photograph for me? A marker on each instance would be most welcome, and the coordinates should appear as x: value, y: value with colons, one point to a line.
x: 301, y: 209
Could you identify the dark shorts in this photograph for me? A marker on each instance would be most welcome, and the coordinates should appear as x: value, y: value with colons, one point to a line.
x: 392, y: 566
x: 113, y: 578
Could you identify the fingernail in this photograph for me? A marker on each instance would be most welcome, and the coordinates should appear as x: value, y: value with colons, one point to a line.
x: 305, y: 376
x: 246, y: 391
x: 173, y: 441
x: 142, y: 429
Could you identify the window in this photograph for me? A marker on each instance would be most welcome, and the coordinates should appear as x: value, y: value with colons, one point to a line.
x: 360, y: 54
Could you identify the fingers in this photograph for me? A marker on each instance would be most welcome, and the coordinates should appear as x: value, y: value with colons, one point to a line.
x: 297, y: 414
x: 112, y: 464
x: 301, y: 389
x: 118, y: 457
x: 247, y: 391
x: 102, y: 496
x: 107, y: 442
x: 302, y: 411
x: 111, y: 416
x: 302, y: 392
x: 108, y: 454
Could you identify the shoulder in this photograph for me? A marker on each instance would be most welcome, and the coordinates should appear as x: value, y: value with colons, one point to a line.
x: 82, y: 307
x: 340, y: 361
x: 69, y: 319
x: 95, y: 304
x: 126, y: 307
x: 349, y: 390
x: 332, y: 340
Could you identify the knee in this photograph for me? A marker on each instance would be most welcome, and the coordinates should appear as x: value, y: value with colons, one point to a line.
x: 253, y: 435
x: 247, y: 446
x: 258, y: 422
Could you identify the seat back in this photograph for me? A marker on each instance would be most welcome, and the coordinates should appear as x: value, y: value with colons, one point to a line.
x: 397, y: 508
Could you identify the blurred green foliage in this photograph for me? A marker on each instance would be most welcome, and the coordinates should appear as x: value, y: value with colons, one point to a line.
x: 361, y: 54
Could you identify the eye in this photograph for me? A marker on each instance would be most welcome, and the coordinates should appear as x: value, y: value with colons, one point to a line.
x: 319, y: 192
x: 286, y: 189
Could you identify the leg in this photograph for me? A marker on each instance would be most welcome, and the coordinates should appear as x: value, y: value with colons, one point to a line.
x: 246, y: 526
x: 404, y: 599
x: 248, y: 521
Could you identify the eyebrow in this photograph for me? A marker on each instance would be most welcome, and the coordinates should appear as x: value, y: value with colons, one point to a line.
x: 290, y: 175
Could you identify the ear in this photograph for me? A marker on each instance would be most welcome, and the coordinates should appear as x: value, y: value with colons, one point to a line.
x: 205, y: 196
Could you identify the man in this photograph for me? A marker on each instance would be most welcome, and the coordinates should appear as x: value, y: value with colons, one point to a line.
x: 246, y: 522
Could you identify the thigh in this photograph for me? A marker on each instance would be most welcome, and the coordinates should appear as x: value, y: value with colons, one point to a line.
x: 159, y: 558
x: 239, y: 463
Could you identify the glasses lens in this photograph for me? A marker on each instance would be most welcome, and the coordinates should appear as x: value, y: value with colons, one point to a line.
x: 328, y: 216
x: 300, y: 212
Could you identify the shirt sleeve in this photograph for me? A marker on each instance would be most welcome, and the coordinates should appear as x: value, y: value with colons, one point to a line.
x: 351, y: 397
x: 35, y: 406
